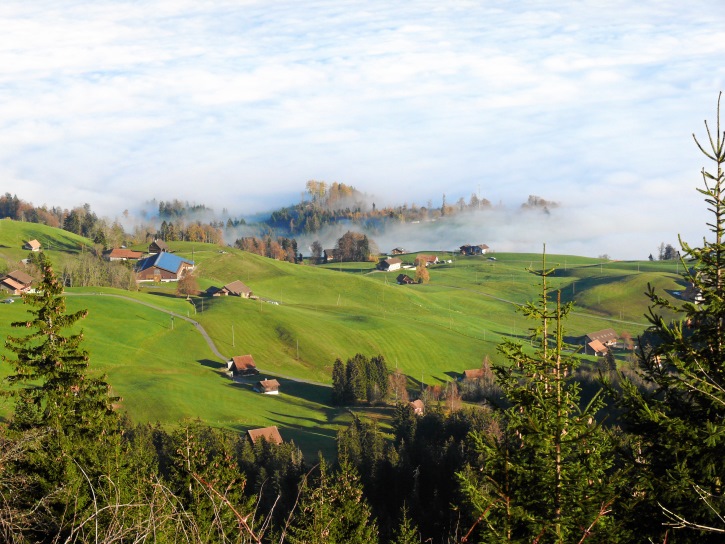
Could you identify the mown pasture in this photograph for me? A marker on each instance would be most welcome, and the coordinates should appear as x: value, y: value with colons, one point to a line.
x: 307, y: 316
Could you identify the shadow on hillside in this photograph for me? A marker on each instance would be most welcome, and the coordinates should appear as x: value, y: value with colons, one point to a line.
x: 164, y: 294
x: 317, y: 394
x: 508, y: 335
x: 307, y: 391
x: 209, y: 363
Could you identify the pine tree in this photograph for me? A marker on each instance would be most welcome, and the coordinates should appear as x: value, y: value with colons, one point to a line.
x: 406, y: 532
x: 545, y: 476
x: 332, y: 510
x: 339, y: 382
x: 54, y: 393
x: 679, y: 423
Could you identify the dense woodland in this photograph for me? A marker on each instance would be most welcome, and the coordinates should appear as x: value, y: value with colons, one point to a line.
x: 640, y: 461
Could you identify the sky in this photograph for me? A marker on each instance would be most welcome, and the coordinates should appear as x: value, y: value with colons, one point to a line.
x: 236, y: 104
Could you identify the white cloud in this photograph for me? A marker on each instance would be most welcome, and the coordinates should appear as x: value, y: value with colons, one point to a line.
x: 234, y: 104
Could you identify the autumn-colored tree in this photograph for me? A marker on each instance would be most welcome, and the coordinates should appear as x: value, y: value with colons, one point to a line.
x: 421, y: 272
x: 187, y: 285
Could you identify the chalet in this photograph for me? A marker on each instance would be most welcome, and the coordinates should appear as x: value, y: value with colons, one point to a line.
x: 480, y: 249
x: 242, y: 365
x: 390, y: 264
x: 268, y: 387
x: 162, y: 267
x: 418, y: 407
x: 328, y: 255
x: 122, y: 254
x: 234, y: 289
x: 398, y: 251
x: 472, y: 374
x: 16, y: 282
x: 595, y: 347
x: 404, y: 279
x: 268, y: 434
x: 158, y: 246
x: 427, y: 259
x: 597, y: 342
x: 238, y: 289
x: 32, y: 245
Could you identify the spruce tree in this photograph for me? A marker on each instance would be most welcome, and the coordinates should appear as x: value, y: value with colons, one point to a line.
x: 545, y: 476
x: 54, y: 394
x: 406, y: 532
x: 339, y: 383
x: 333, y: 510
x: 678, y: 422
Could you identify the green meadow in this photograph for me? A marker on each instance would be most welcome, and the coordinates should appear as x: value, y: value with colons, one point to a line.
x: 307, y: 316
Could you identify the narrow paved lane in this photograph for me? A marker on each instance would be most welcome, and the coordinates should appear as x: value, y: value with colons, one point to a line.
x: 199, y: 328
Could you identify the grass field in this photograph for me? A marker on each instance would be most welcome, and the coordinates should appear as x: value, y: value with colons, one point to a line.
x: 307, y: 316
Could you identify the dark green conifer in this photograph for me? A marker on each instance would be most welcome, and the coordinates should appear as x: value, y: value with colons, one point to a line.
x: 54, y: 393
x: 678, y: 423
x: 332, y: 510
x: 545, y: 476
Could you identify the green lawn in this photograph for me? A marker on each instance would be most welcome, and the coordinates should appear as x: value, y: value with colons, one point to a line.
x: 307, y: 316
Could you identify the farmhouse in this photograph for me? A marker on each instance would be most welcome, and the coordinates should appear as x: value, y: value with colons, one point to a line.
x: 267, y: 387
x: 597, y: 342
x: 242, y: 365
x: 472, y: 374
x: 328, y: 255
x: 391, y: 264
x: 32, y: 245
x: 238, y: 289
x: 16, y: 282
x: 267, y: 434
x: 480, y: 249
x: 418, y: 407
x: 162, y: 267
x: 398, y: 251
x: 404, y: 279
x: 595, y: 347
x: 235, y: 289
x: 427, y: 259
x: 122, y: 254
x: 158, y: 246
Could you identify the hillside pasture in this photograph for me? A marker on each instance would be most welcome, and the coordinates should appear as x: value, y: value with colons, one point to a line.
x: 307, y: 316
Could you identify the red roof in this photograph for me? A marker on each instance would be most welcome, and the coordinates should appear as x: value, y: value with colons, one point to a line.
x: 122, y: 253
x: 14, y: 284
x: 243, y: 362
x: 597, y: 346
x: 20, y: 276
x: 267, y: 386
x: 270, y: 434
x: 473, y: 374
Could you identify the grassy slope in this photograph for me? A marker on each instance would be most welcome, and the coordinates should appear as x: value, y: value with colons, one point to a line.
x: 58, y: 244
x: 429, y: 331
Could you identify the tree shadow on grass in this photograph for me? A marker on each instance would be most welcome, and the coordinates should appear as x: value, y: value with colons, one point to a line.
x: 508, y: 335
x: 209, y: 363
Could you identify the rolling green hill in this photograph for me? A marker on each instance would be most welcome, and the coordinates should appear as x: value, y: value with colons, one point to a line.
x: 307, y: 316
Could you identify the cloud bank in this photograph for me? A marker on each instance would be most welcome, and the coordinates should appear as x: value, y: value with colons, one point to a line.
x: 237, y: 103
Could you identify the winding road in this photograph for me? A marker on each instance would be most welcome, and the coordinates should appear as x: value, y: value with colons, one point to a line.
x: 199, y: 328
